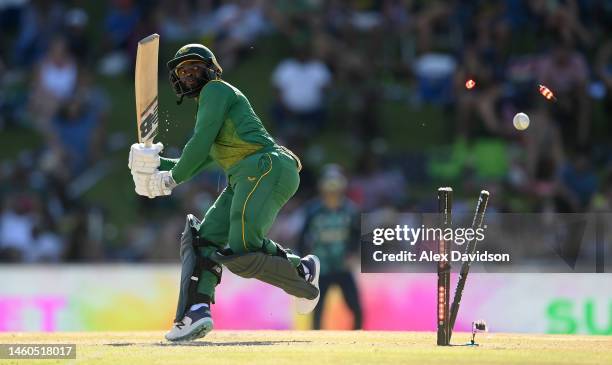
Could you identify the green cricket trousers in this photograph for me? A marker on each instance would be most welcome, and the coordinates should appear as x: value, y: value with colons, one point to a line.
x: 259, y: 186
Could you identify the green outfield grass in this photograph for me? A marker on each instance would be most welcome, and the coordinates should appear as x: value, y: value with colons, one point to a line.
x: 318, y: 348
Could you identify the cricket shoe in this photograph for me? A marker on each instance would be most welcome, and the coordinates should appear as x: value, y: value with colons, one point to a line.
x: 312, y: 263
x: 195, y: 324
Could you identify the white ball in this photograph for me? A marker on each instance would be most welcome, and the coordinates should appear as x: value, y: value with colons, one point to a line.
x: 520, y: 121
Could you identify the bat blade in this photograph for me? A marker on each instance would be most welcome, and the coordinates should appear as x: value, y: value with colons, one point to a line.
x: 146, y: 88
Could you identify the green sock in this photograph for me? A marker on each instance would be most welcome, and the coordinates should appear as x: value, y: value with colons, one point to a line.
x: 207, y: 283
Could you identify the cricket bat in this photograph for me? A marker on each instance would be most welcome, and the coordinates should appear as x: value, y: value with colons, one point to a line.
x: 146, y: 89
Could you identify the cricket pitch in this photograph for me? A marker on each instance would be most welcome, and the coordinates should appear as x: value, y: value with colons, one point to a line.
x: 319, y: 347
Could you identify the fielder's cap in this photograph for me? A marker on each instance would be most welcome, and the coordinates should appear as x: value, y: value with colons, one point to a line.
x: 332, y: 179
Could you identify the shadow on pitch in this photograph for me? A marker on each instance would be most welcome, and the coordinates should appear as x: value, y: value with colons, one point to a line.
x: 208, y: 343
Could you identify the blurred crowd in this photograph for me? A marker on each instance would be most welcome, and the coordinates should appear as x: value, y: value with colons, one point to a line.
x: 344, y: 61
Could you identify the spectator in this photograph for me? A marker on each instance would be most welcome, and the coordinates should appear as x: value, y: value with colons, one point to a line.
x: 16, y: 226
x: 561, y: 17
x: 54, y: 82
x: 564, y: 70
x: 74, y: 126
x: 120, y: 25
x: 432, y: 23
x: 40, y: 21
x: 357, y: 102
x: 75, y: 27
x: 177, y: 24
x: 26, y: 232
x: 300, y: 82
x: 291, y: 18
x: 603, y: 69
x: 47, y: 245
x: 579, y: 181
x: 434, y: 74
x: 375, y: 184
x: 544, y: 150
x: 120, y: 22
x: 237, y: 26
x: 204, y: 18
x: 480, y: 101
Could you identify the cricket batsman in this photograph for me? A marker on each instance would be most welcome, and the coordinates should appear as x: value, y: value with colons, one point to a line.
x: 262, y: 177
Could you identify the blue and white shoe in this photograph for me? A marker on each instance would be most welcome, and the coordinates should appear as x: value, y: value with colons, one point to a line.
x: 194, y: 325
x: 313, y: 264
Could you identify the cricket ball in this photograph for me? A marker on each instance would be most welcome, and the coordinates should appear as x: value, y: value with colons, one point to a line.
x: 520, y: 121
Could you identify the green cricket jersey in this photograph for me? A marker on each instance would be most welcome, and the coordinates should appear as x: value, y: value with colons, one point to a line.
x: 330, y: 234
x: 227, y: 130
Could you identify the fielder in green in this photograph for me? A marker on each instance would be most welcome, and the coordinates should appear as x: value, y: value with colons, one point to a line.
x: 262, y: 177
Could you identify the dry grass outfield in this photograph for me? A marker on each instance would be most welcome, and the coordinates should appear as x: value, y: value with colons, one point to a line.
x: 319, y: 348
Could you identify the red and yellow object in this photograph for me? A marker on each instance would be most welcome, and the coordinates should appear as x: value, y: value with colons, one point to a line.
x: 549, y: 95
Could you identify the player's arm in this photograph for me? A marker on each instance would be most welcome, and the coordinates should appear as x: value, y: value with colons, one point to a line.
x: 215, y: 100
x: 166, y: 164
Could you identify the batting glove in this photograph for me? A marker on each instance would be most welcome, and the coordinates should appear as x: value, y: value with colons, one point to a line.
x: 161, y: 183
x: 144, y: 159
x: 141, y: 183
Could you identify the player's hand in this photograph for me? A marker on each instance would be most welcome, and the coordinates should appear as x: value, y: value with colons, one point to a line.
x: 141, y: 182
x: 160, y: 183
x: 144, y: 160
